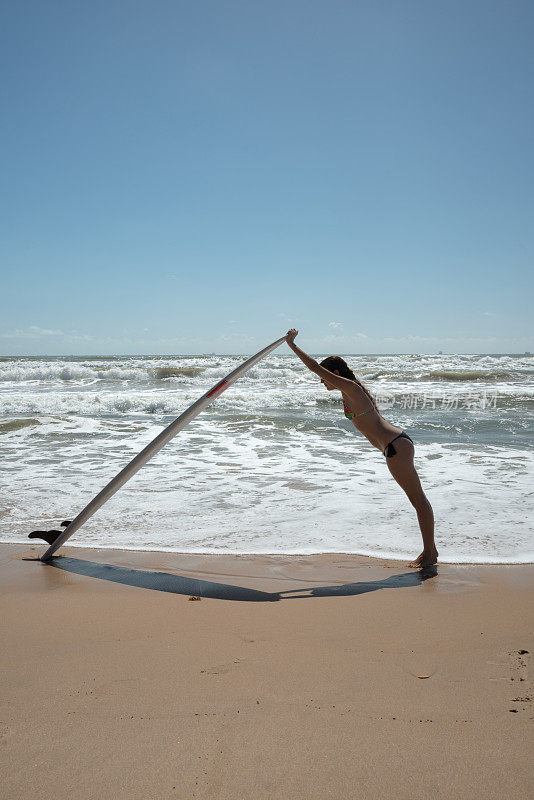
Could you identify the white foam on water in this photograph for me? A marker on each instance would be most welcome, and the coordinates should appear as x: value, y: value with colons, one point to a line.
x: 236, y: 489
x: 272, y: 466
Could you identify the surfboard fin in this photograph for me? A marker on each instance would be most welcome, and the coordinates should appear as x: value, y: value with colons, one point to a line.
x: 48, y: 536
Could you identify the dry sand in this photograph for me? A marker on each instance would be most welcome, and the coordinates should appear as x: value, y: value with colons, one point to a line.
x: 293, y: 678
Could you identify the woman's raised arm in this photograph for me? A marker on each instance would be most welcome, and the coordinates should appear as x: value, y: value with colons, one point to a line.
x: 343, y: 384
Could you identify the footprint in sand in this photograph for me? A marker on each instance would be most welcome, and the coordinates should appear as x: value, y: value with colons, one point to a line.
x: 519, y: 677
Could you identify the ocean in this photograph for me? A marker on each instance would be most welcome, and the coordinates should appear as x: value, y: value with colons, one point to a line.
x: 272, y: 466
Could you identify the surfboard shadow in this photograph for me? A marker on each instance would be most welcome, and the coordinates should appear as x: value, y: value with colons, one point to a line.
x: 160, y: 581
x: 179, y: 584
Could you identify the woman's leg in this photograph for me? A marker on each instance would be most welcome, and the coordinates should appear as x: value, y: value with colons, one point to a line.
x: 402, y: 468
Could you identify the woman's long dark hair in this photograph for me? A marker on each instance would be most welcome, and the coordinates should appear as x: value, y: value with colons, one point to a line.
x: 336, y: 362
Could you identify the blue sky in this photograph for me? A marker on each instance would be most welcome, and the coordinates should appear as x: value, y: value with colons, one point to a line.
x: 188, y: 177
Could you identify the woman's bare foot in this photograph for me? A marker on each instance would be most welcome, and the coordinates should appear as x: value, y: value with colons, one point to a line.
x: 426, y: 559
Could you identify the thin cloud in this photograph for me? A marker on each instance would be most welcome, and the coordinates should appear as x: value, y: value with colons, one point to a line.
x: 31, y: 333
x: 436, y: 339
x: 345, y: 339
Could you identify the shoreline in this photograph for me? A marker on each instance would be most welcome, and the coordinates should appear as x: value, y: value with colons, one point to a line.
x: 324, y: 677
x: 256, y: 554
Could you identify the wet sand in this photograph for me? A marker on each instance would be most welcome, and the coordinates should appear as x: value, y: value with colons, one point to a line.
x: 292, y: 678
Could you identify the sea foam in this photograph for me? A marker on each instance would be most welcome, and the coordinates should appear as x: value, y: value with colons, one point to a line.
x: 272, y: 466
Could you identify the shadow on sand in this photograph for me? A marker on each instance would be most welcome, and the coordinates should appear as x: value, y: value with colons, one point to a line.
x: 177, y: 584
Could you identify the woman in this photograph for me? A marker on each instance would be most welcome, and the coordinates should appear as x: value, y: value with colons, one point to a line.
x: 396, y: 445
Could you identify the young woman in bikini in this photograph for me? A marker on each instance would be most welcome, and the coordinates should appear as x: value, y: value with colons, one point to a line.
x: 396, y: 445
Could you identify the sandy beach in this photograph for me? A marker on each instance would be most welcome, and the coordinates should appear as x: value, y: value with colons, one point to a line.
x: 292, y: 678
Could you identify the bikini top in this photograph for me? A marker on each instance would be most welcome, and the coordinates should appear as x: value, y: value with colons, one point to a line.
x: 352, y: 415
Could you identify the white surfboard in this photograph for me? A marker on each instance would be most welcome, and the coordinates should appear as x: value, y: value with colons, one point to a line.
x: 155, y: 446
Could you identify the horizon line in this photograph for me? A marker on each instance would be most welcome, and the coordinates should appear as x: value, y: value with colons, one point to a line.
x: 243, y: 353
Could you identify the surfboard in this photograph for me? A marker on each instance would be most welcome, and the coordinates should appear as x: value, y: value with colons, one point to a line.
x: 155, y: 446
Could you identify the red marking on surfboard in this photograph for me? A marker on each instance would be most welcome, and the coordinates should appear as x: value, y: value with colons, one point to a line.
x: 218, y: 389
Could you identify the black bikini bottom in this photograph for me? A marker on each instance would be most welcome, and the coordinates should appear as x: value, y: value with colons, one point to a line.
x: 389, y: 450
